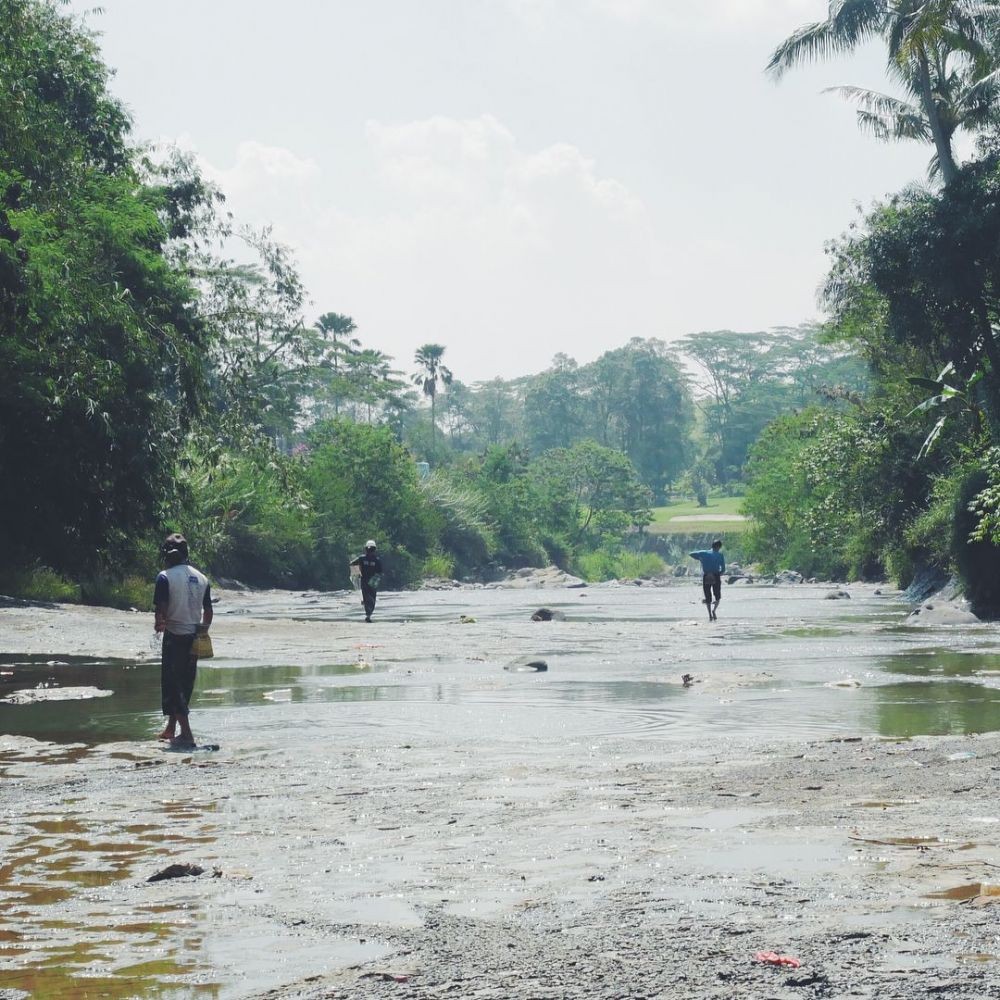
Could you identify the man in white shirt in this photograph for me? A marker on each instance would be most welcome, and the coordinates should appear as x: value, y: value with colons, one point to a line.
x: 182, y: 601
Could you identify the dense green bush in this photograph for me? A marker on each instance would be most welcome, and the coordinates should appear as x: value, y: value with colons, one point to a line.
x: 364, y: 484
x: 976, y: 557
x: 618, y: 564
x: 247, y: 515
x: 468, y: 533
x: 501, y: 476
x: 38, y: 583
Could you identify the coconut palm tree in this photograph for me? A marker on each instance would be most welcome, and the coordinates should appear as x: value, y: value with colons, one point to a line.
x: 941, y: 52
x: 433, y: 371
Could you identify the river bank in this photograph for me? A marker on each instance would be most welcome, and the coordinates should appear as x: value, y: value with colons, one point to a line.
x: 393, y: 813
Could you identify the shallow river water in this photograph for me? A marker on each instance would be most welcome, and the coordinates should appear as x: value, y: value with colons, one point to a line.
x: 779, y: 662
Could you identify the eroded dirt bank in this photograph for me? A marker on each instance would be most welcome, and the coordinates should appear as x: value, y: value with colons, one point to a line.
x: 392, y: 814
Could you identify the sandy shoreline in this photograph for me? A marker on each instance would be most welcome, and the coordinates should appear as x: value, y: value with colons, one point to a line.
x: 368, y: 848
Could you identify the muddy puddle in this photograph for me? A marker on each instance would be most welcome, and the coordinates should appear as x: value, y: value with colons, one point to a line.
x: 79, y: 919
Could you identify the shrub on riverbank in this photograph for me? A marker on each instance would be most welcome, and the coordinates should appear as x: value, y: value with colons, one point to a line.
x: 609, y: 564
x: 38, y: 583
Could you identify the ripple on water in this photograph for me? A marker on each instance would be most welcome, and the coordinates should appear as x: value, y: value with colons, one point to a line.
x: 607, y: 670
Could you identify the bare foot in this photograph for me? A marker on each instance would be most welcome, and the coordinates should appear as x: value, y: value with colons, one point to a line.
x: 167, y: 734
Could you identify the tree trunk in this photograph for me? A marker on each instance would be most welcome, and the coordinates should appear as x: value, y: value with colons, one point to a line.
x: 942, y: 140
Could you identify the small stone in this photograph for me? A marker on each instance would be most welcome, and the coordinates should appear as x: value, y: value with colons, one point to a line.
x: 548, y: 615
x: 527, y: 664
x: 176, y: 871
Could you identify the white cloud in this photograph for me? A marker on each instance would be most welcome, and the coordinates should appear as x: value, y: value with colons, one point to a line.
x: 258, y: 165
x: 463, y: 237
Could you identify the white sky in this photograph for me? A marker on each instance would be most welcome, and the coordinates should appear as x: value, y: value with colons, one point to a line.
x: 515, y: 178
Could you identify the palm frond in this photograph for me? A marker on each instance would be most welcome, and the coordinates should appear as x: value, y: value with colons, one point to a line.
x: 884, y: 116
x: 986, y: 83
x: 809, y: 43
x: 856, y: 21
x: 850, y: 23
x: 934, y: 172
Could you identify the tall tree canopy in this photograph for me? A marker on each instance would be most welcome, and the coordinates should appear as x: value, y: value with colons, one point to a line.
x: 100, y: 347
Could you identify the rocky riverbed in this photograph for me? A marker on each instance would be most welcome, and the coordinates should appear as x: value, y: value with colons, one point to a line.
x: 392, y: 813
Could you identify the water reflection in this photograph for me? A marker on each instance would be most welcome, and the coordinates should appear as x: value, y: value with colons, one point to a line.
x: 573, y: 698
x: 943, y: 662
x: 934, y: 708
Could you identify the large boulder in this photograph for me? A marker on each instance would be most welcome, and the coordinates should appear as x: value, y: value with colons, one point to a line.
x: 531, y: 578
x: 943, y: 613
x: 439, y: 583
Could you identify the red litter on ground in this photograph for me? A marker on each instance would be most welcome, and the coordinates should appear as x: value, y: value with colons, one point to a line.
x: 773, y: 958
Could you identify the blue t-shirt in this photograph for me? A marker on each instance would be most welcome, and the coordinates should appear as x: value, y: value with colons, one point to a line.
x: 711, y: 560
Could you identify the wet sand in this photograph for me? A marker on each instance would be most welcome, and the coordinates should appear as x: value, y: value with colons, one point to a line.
x: 393, y: 813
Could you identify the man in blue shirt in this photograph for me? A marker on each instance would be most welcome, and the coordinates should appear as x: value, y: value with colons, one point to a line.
x: 713, y: 565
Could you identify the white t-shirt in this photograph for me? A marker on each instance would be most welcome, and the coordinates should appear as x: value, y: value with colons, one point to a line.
x: 185, y: 599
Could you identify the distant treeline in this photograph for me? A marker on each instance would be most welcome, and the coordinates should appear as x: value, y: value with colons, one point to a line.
x: 158, y: 371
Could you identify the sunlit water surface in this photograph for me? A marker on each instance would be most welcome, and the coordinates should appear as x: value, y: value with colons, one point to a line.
x: 780, y: 663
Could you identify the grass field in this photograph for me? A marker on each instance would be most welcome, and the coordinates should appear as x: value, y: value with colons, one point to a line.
x: 713, y: 518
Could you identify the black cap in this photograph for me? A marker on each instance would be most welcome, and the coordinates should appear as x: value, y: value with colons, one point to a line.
x: 175, y: 545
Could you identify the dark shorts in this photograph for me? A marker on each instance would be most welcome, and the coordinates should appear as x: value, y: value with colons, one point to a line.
x: 368, y: 595
x: 712, y: 585
x: 177, y: 672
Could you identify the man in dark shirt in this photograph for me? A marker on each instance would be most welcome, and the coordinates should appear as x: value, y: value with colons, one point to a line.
x: 371, y: 571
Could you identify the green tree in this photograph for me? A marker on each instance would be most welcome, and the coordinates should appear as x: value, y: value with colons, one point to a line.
x: 337, y: 329
x: 641, y: 403
x: 58, y: 122
x: 832, y: 493
x: 266, y: 359
x: 364, y: 484
x: 502, y: 475
x: 249, y: 511
x: 555, y: 409
x: 749, y: 379
x: 375, y: 383
x: 590, y: 494
x: 925, y: 270
x: 102, y: 352
x: 495, y: 412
